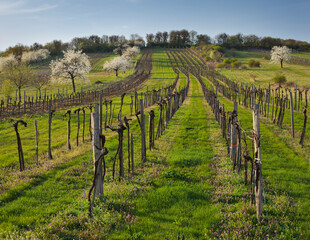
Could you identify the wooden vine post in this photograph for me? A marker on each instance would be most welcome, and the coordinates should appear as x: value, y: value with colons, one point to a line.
x: 126, y: 120
x: 151, y: 129
x: 96, y: 152
x: 233, y: 136
x: 304, y: 128
x: 50, y: 114
x: 83, y: 110
x: 121, y: 107
x: 68, y: 128
x: 268, y: 101
x: 78, y: 127
x: 100, y: 114
x: 132, y: 153
x: 258, y: 178
x: 37, y: 141
x: 143, y: 144
x: 19, y: 145
x: 292, y: 114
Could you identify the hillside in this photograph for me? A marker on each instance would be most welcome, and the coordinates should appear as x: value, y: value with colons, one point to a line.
x: 189, y: 187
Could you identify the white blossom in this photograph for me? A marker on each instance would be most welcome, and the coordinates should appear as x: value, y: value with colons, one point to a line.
x: 35, y: 56
x: 74, y: 64
x: 280, y: 54
x: 118, y: 64
x: 5, y: 60
x: 131, y: 52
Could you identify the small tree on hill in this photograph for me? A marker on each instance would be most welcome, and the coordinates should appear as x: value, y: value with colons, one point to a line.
x: 280, y: 54
x: 118, y: 64
x: 35, y: 56
x: 18, y: 73
x: 131, y: 52
x: 74, y: 64
x: 39, y: 80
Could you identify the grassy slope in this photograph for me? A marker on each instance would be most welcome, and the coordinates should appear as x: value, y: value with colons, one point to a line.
x: 169, y: 171
x: 9, y: 158
x: 284, y: 168
x: 96, y: 74
x: 294, y: 73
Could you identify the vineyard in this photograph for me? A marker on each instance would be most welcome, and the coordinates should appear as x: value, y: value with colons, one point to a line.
x: 176, y: 150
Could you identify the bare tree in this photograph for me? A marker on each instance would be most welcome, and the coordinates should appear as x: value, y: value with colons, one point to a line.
x: 39, y: 80
x: 18, y: 73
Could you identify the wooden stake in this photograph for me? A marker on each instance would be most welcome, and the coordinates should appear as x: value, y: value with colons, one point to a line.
x: 96, y: 151
x: 258, y: 179
x: 143, y: 144
x: 292, y: 114
x: 49, y: 128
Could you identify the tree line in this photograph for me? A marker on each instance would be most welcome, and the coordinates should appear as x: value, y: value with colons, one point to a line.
x: 185, y: 38
x: 174, y: 38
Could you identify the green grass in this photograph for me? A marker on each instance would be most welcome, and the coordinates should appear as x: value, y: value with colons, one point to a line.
x: 186, y: 187
x: 96, y: 74
x: 179, y: 203
x: 285, y: 169
x: 304, y: 54
x: 297, y: 74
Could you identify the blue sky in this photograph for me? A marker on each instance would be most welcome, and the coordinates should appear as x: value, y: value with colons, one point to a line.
x: 29, y: 21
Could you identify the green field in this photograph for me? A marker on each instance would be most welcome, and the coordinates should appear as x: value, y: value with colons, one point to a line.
x: 296, y: 74
x: 187, y: 188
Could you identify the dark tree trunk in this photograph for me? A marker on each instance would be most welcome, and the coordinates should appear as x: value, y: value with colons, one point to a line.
x: 19, y: 94
x: 73, y: 84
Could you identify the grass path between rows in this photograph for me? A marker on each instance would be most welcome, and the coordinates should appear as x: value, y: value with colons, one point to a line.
x: 179, y: 202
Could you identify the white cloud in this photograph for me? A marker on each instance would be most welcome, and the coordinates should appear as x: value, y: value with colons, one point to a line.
x: 9, y: 8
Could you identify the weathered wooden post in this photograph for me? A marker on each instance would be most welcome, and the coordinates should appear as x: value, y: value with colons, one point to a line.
x: 292, y: 114
x: 37, y: 141
x: 304, y: 128
x: 143, y: 144
x: 258, y: 178
x: 295, y: 106
x: 68, y: 128
x: 100, y: 113
x: 121, y: 107
x: 126, y: 120
x: 131, y: 105
x: 106, y: 114
x: 78, y: 127
x: 151, y: 129
x: 132, y: 153
x: 112, y: 115
x: 268, y: 101
x: 233, y: 136
x: 50, y: 113
x: 96, y: 152
x: 19, y: 145
x: 83, y: 110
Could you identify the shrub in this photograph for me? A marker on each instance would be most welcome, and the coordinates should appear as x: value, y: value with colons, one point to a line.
x: 207, y: 58
x: 227, y: 61
x: 254, y: 63
x: 279, y: 78
x: 236, y: 64
x: 252, y: 77
x: 221, y: 65
x: 266, y: 57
